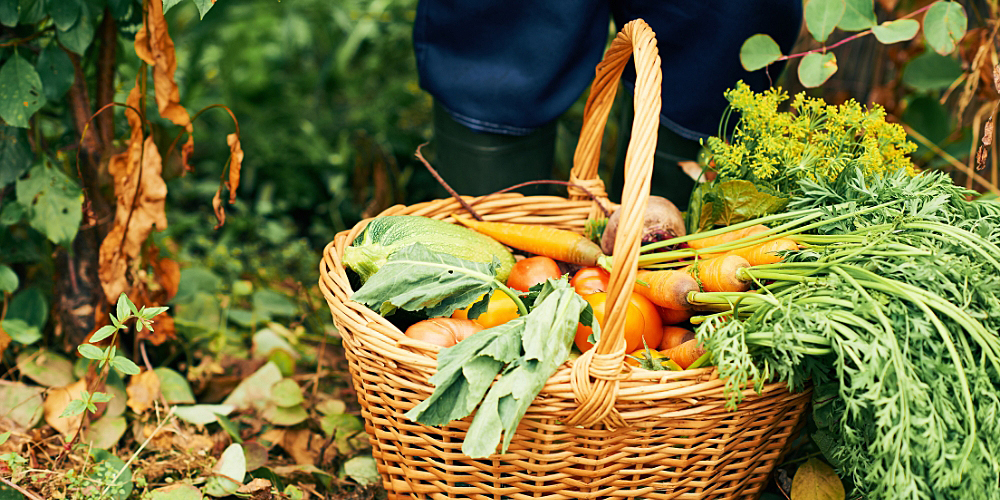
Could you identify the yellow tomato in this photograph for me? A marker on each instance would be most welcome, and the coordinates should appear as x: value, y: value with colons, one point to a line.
x: 500, y: 310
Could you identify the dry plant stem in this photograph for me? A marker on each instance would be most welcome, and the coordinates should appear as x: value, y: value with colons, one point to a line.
x: 993, y: 188
x: 855, y: 36
x: 106, y: 76
x: 26, y: 493
x: 441, y: 181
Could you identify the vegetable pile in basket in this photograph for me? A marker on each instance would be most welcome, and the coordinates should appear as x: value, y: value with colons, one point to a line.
x: 818, y: 255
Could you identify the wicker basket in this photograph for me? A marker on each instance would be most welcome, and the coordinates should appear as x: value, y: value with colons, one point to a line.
x: 600, y: 428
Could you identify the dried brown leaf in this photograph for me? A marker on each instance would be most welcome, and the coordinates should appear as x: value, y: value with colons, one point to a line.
x: 235, y: 164
x: 143, y: 390
x: 141, y: 194
x: 996, y: 77
x: 988, y: 132
x: 220, y: 212
x: 5, y: 340
x: 981, y: 156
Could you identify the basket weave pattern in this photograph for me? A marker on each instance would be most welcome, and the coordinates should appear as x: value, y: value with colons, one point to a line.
x: 599, y: 428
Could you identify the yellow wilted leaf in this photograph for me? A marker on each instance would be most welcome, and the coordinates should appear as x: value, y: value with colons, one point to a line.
x: 235, y: 164
x: 815, y: 480
x: 56, y: 402
x: 143, y: 389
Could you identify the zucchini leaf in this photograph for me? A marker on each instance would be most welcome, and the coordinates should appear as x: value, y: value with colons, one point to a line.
x: 415, y: 278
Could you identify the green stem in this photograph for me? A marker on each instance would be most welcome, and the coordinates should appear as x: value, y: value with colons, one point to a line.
x: 522, y: 310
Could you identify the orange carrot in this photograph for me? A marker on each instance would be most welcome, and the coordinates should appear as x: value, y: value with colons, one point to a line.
x: 720, y: 274
x: 765, y: 253
x: 558, y: 244
x: 729, y: 237
x: 666, y: 288
x: 685, y: 354
x: 673, y: 316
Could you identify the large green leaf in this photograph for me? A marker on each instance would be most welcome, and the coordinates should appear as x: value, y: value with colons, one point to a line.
x: 817, y: 68
x: 21, y: 92
x: 362, y: 469
x: 54, y: 201
x: 56, y: 71
x: 858, y: 15
x: 944, y: 26
x: 30, y: 305
x: 78, y: 37
x: 758, y: 51
x: 822, y: 17
x: 169, y: 4
x: 931, y: 71
x: 20, y: 331
x: 64, y: 13
x: 15, y: 152
x: 31, y: 11
x: 9, y: 12
x: 899, y: 30
x: 415, y: 278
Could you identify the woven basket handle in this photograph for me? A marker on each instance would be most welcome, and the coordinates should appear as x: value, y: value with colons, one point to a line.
x: 596, y: 374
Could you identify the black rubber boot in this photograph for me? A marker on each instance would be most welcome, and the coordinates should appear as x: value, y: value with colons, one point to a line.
x: 668, y: 180
x: 478, y: 163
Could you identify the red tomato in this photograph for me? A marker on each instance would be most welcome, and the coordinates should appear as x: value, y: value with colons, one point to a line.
x: 531, y: 271
x: 444, y: 332
x: 500, y: 310
x: 674, y: 336
x: 590, y: 280
x: 642, y: 322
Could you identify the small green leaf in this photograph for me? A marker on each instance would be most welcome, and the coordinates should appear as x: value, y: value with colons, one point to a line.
x: 174, y: 386
x: 816, y: 68
x: 8, y: 279
x: 15, y: 152
x: 125, y: 365
x: 54, y: 201
x: 931, y: 71
x: 944, y: 26
x: 151, y: 312
x: 30, y: 305
x: 899, y: 30
x: 230, y: 427
x: 100, y: 397
x: 64, y: 13
x: 859, y: 15
x: 75, y: 407
x: 169, y: 4
x: 21, y: 404
x: 758, y: 51
x: 105, y: 432
x: 131, y: 306
x: 286, y: 392
x: 4, y: 437
x: 227, y: 475
x: 176, y: 491
x: 204, y: 6
x: 282, y: 416
x: 267, y: 303
x: 90, y: 351
x: 822, y: 17
x: 21, y: 332
x: 121, y: 308
x: 815, y: 480
x: 21, y: 92
x: 9, y: 12
x: 78, y: 37
x: 103, y: 333
x: 56, y: 71
x: 202, y: 414
x: 362, y: 469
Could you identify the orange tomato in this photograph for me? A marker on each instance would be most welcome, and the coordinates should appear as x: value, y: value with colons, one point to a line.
x: 674, y: 336
x: 531, y: 271
x: 590, y: 280
x: 500, y: 310
x: 642, y: 322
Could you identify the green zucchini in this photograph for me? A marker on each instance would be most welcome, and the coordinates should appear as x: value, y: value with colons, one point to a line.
x: 384, y: 235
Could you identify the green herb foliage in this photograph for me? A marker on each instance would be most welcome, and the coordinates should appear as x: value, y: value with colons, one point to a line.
x: 894, y: 319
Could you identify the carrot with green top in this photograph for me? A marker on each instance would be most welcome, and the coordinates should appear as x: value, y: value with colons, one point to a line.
x: 558, y: 244
x: 666, y: 288
x: 729, y: 237
x: 721, y: 274
x: 766, y: 252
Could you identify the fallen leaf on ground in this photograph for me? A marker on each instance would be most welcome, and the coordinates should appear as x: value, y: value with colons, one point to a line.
x: 202, y: 414
x: 46, y: 368
x: 227, y: 475
x: 21, y: 404
x: 174, y: 387
x: 177, y: 491
x: 57, y: 401
x: 105, y: 432
x: 255, y: 390
x: 258, y: 489
x: 815, y: 480
x: 143, y: 390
